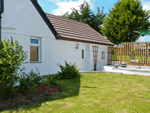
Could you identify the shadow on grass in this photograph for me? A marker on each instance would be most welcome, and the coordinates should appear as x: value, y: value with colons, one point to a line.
x: 70, y: 87
x: 87, y: 87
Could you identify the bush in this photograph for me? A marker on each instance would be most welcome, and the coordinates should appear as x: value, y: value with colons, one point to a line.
x: 11, y: 58
x: 68, y: 71
x: 47, y: 80
x: 29, y: 79
x: 24, y: 82
x: 34, y: 77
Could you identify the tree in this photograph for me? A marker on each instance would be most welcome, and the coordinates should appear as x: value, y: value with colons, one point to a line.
x: 85, y: 14
x: 123, y: 19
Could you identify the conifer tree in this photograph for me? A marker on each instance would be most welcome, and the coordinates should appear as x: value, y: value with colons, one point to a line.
x: 126, y: 17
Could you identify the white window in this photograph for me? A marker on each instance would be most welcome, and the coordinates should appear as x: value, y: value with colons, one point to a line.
x: 103, y: 55
x: 35, y: 48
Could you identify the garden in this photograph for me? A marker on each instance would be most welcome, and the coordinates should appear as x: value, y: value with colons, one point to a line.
x: 32, y: 86
x: 67, y: 91
x: 96, y: 93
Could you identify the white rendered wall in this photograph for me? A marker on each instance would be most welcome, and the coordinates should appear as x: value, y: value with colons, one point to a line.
x: 55, y: 51
x: 21, y: 17
x: 21, y: 20
x: 100, y: 62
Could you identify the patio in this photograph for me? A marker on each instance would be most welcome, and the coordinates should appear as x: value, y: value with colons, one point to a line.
x: 129, y: 57
x: 130, y: 51
x: 144, y: 70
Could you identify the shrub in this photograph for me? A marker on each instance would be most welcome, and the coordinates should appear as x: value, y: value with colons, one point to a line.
x: 35, y: 76
x: 24, y: 81
x: 68, y: 71
x: 47, y: 80
x: 11, y: 58
x: 29, y: 79
x: 34, y: 88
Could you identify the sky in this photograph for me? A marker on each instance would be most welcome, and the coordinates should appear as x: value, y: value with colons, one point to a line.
x: 60, y: 7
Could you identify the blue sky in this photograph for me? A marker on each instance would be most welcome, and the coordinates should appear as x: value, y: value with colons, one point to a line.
x: 59, y: 7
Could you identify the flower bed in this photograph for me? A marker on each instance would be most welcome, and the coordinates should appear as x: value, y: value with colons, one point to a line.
x: 29, y: 97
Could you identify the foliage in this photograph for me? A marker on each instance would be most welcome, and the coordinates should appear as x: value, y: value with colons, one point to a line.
x: 86, y: 15
x: 35, y: 76
x: 24, y: 81
x: 34, y: 87
x: 68, y: 71
x: 126, y: 17
x: 12, y: 57
x: 47, y: 80
x: 29, y: 79
x: 114, y: 57
x: 49, y: 90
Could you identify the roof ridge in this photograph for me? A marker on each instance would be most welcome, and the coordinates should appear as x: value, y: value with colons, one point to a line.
x: 68, y: 19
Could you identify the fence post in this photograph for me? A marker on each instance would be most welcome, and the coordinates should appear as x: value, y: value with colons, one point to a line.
x: 148, y: 52
x: 120, y: 54
x: 127, y: 51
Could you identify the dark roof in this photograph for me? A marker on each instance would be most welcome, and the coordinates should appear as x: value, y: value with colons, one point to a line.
x: 67, y: 29
x: 72, y: 29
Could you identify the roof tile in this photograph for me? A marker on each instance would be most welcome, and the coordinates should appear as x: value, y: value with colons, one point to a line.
x: 73, y: 29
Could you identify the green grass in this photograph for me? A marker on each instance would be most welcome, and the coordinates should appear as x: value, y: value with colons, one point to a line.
x: 98, y: 93
x: 127, y: 58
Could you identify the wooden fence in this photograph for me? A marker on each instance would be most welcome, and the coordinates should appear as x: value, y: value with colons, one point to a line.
x: 139, y: 50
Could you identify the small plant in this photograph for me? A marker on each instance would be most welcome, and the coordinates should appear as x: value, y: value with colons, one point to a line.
x: 46, y: 91
x: 68, y: 71
x: 29, y: 79
x: 34, y: 88
x: 24, y: 82
x: 35, y: 76
x: 47, y: 80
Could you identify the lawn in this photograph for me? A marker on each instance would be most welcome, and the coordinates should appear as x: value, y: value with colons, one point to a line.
x: 127, y: 58
x: 97, y: 93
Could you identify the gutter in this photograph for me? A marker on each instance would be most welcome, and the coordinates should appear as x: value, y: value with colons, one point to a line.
x: 64, y: 38
x: 1, y: 11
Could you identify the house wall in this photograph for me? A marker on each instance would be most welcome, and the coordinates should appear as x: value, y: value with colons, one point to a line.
x: 100, y: 62
x: 55, y: 51
x: 21, y: 17
x: 21, y: 20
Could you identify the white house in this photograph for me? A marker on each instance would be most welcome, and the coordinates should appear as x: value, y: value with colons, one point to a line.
x: 51, y: 39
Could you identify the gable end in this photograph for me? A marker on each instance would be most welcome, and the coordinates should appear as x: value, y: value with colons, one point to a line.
x: 44, y: 17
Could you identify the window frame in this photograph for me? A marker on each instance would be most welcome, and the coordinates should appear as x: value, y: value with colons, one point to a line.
x: 103, y: 52
x: 39, y: 48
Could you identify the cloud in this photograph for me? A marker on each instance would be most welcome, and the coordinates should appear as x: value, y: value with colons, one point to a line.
x: 65, y: 5
x: 146, y: 5
x: 141, y: 39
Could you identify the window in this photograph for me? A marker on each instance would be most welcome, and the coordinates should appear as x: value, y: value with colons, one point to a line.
x: 34, y: 49
x: 103, y: 55
x: 82, y: 54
